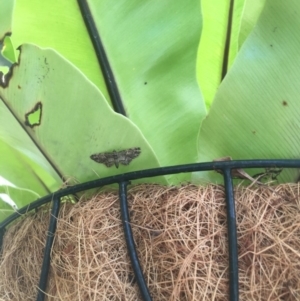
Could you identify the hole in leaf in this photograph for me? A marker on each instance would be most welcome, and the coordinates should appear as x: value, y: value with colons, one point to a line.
x: 33, y: 118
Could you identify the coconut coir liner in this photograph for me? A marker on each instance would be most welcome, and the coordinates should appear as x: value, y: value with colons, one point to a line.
x: 181, y: 239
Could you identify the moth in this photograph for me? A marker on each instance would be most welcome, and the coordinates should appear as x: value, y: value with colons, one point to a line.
x: 116, y: 158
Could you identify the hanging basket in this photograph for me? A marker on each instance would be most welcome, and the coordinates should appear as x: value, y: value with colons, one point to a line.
x: 177, y: 238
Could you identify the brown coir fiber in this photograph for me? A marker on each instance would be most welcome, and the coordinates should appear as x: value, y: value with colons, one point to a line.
x: 180, y: 234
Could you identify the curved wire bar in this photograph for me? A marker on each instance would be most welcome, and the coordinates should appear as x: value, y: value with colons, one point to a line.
x: 122, y: 180
x: 149, y: 173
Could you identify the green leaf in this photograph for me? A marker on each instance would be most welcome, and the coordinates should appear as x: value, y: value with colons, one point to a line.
x: 58, y: 25
x: 251, y: 13
x: 57, y: 117
x: 6, y: 12
x: 12, y: 133
x: 221, y: 26
x: 24, y: 174
x: 152, y: 48
x: 9, y: 51
x: 256, y: 110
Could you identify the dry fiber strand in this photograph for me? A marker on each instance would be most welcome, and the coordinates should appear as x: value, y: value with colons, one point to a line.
x: 181, y: 238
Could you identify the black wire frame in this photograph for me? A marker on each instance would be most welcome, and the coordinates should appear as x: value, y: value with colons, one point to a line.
x: 123, y: 180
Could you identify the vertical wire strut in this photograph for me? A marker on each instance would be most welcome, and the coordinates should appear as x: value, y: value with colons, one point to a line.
x: 2, y: 232
x: 232, y: 237
x: 130, y: 242
x: 50, y: 238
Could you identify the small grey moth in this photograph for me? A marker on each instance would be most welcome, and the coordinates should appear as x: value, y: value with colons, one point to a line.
x: 123, y: 157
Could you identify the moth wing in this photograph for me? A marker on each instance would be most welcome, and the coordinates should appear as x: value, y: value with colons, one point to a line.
x: 123, y: 158
x: 115, y: 158
x: 99, y: 158
x: 103, y: 158
x: 110, y: 162
x: 135, y: 152
x: 126, y: 156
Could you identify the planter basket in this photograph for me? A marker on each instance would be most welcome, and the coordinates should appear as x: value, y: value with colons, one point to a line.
x: 123, y: 180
